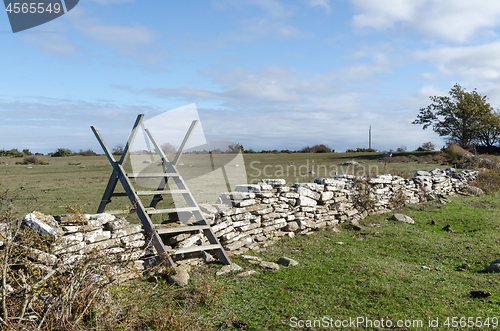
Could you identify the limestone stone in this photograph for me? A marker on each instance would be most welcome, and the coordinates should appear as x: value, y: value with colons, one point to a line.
x: 181, y: 278
x: 43, y: 224
x: 494, y: 266
x: 269, y: 265
x: 403, y: 218
x: 286, y: 261
x: 228, y: 268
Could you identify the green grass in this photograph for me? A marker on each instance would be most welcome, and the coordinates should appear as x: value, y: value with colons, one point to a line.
x: 377, y: 273
x: 51, y: 188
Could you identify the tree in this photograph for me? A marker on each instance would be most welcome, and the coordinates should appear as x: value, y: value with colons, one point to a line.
x: 427, y: 147
x: 459, y: 116
x: 489, y: 129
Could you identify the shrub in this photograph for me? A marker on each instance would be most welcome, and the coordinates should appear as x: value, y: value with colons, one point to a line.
x: 488, y: 180
x: 62, y: 152
x: 361, y: 150
x: 31, y: 160
x: 167, y: 148
x: 401, y: 149
x: 27, y: 152
x: 317, y: 149
x: 13, y: 153
x: 88, y: 152
x: 118, y: 149
x: 428, y: 146
x: 454, y: 152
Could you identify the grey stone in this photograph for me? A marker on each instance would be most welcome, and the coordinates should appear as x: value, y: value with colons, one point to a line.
x: 494, y: 266
x: 474, y: 190
x: 403, y: 218
x: 251, y: 257
x: 269, y: 265
x: 421, y: 173
x: 181, y: 278
x: 286, y: 261
x: 291, y: 226
x: 228, y: 268
x: 43, y: 224
x: 207, y: 257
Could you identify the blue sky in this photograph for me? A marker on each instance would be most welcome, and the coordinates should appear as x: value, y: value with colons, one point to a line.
x: 268, y: 74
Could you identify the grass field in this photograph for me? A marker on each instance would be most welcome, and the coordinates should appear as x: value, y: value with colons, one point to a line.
x: 377, y: 273
x: 387, y: 271
x: 81, y: 180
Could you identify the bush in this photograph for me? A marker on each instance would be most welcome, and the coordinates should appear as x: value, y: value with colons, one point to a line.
x: 317, y: 149
x: 401, y: 149
x: 27, y: 152
x: 488, y: 180
x: 361, y: 150
x: 428, y: 146
x: 32, y: 160
x: 62, y: 152
x: 454, y: 152
x: 13, y: 153
x: 167, y: 148
x: 118, y: 150
x: 88, y: 152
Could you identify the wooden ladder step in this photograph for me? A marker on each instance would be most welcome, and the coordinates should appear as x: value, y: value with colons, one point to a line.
x: 157, y: 175
x: 170, y: 210
x: 161, y: 192
x: 181, y: 229
x: 121, y: 194
x: 192, y: 249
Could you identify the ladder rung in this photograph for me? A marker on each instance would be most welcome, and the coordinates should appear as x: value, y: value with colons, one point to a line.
x: 121, y: 194
x: 115, y: 212
x: 146, y: 175
x: 192, y: 249
x: 170, y: 210
x: 161, y: 192
x: 182, y: 229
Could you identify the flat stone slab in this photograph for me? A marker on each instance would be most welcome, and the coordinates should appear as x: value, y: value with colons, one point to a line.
x: 403, y: 218
x: 286, y: 261
x: 180, y: 278
x: 228, y: 268
x: 494, y: 266
x: 270, y: 265
x: 251, y: 257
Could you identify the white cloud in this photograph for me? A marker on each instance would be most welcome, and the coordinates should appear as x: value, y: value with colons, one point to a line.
x: 126, y: 39
x: 474, y: 63
x: 264, y: 26
x: 321, y: 3
x: 108, y: 2
x: 449, y: 20
x: 51, y: 43
x: 272, y: 8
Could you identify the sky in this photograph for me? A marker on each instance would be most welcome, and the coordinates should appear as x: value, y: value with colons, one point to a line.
x: 267, y: 74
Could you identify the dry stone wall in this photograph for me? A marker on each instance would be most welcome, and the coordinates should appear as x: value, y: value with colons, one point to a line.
x: 75, y: 237
x: 250, y: 218
x: 255, y: 216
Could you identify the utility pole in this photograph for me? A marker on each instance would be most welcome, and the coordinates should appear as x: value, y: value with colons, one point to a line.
x: 370, y: 138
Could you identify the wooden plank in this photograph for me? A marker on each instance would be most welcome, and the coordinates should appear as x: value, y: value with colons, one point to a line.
x: 169, y: 210
x: 181, y: 229
x: 121, y: 194
x: 148, y: 175
x: 161, y: 192
x: 192, y: 249
x: 184, y: 142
